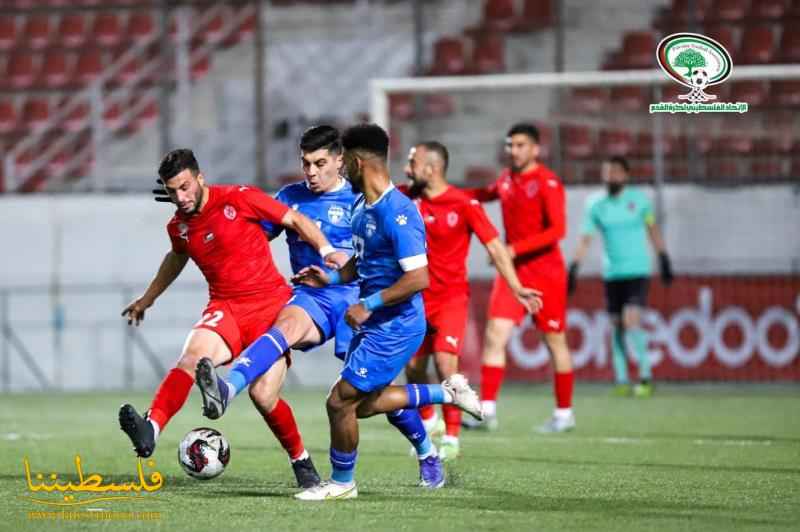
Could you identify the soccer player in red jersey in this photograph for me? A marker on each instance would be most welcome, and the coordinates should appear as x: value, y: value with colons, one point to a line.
x: 450, y: 217
x: 533, y: 205
x: 219, y: 228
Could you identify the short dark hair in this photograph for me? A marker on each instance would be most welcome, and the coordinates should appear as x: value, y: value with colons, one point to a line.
x: 321, y: 137
x: 370, y: 138
x: 176, y: 162
x: 524, y: 128
x: 620, y: 160
x: 439, y: 149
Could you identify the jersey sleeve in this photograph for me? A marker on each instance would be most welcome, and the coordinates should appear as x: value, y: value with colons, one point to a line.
x: 554, y: 207
x: 272, y: 229
x: 177, y: 240
x: 259, y: 206
x: 479, y: 223
x: 648, y: 214
x: 407, y: 234
x: 483, y: 194
x: 589, y: 224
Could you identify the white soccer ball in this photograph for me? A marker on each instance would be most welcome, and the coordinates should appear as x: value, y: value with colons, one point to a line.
x: 700, y: 78
x: 204, y: 453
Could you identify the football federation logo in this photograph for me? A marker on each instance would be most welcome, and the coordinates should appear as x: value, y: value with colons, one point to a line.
x: 183, y: 231
x: 229, y: 211
x: 531, y: 189
x: 335, y: 214
x: 696, y: 62
x: 370, y: 226
x: 452, y: 219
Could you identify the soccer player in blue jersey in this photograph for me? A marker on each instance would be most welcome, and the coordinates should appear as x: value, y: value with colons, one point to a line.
x: 391, y: 266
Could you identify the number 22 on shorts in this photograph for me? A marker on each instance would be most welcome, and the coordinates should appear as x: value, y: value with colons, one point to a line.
x: 211, y: 319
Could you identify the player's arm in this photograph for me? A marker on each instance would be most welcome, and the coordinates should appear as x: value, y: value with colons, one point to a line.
x: 588, y: 229
x: 317, y: 277
x: 170, y: 268
x: 483, y: 194
x: 411, y: 282
x: 555, y: 213
x: 657, y: 240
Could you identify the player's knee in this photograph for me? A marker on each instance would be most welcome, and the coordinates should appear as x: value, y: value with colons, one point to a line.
x: 263, y: 395
x: 189, y: 359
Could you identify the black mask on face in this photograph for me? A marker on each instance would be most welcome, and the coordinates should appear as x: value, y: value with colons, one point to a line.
x: 614, y: 188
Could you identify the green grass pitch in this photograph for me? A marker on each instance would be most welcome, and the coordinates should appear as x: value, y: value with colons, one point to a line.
x: 691, y: 458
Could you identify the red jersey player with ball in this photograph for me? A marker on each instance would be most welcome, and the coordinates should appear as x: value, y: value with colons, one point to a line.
x: 450, y: 217
x: 533, y: 205
x: 219, y: 228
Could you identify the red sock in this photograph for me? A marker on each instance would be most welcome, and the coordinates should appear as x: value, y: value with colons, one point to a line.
x: 452, y: 420
x: 284, y: 427
x: 491, y: 380
x: 562, y: 386
x: 170, y: 396
x: 426, y: 412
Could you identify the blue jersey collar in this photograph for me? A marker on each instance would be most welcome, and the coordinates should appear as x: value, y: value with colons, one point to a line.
x: 383, y: 195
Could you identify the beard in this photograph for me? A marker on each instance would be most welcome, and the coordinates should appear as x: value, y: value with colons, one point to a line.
x: 416, y: 188
x: 614, y: 188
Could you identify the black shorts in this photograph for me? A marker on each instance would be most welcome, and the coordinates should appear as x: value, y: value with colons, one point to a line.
x: 623, y: 292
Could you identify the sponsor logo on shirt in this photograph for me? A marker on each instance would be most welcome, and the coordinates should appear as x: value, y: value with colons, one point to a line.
x: 362, y: 372
x: 229, y: 212
x: 208, y: 238
x: 555, y: 324
x: 335, y: 214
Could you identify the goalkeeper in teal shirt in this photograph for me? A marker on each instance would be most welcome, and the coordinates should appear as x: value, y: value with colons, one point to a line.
x: 624, y: 217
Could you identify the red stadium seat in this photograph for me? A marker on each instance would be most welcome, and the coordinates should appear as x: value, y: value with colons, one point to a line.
x: 439, y: 105
x: 21, y: 70
x: 211, y: 28
x: 488, y: 56
x: 588, y: 99
x: 643, y: 145
x: 680, y: 11
x: 90, y: 65
x: 768, y: 9
x: 140, y: 27
x: 789, y: 49
x: 615, y: 142
x: 768, y: 168
x: 148, y: 112
x: 577, y: 142
x: 200, y: 64
x: 642, y: 171
x: 246, y: 27
x: 448, y: 57
x: 722, y: 169
x: 35, y: 112
x: 757, y: 46
x: 401, y: 106
x: 78, y: 118
x: 752, y: 92
x: 8, y: 32
x: 786, y: 92
x: 72, y: 30
x: 107, y: 29
x: 729, y: 10
x: 498, y: 15
x: 56, y: 68
x: 670, y: 92
x: 638, y: 50
x: 536, y: 14
x: 8, y: 116
x: 633, y: 98
x: 37, y: 31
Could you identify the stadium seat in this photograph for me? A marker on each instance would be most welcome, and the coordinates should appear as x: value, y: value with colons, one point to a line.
x: 129, y: 69
x: 642, y: 171
x: 439, y: 105
x: 141, y: 27
x: 768, y: 9
x: 488, y: 55
x: 576, y: 142
x: 536, y: 14
x: 246, y: 27
x: 786, y: 92
x: 401, y: 106
x: 8, y: 116
x: 679, y: 11
x: 201, y: 64
x: 752, y: 92
x: 448, y: 57
x: 498, y: 15
x: 730, y: 11
x: 21, y: 70
x: 56, y: 69
x: 78, y: 118
x: 638, y: 50
x: 671, y: 91
x: 631, y: 98
x: 757, y: 46
x: 670, y: 145
x: 677, y: 171
x: 148, y: 111
x: 89, y: 66
x: 545, y: 141
x: 107, y: 29
x: 772, y: 167
x: 8, y: 32
x: 588, y: 99
x: 615, y: 142
x: 210, y: 29
x: 789, y: 48
x: 722, y: 169
x: 477, y: 176
x: 735, y: 140
x: 36, y: 32
x: 35, y: 112
x: 72, y: 30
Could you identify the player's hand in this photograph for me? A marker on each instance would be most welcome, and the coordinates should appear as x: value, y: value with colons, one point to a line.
x: 312, y: 276
x: 159, y: 194
x: 666, y: 268
x: 135, y: 310
x: 529, y: 298
x: 336, y: 260
x: 572, y: 278
x: 356, y: 315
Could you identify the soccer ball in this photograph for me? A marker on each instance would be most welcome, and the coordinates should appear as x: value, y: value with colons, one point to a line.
x: 700, y: 78
x: 204, y: 453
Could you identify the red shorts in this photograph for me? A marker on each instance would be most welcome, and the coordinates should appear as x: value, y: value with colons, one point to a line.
x: 240, y: 322
x: 552, y: 317
x: 446, y: 327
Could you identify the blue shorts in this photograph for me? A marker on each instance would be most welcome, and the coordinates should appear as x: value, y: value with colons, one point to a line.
x: 382, y: 348
x: 327, y: 307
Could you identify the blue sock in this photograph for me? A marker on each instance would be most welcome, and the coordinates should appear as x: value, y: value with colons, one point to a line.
x: 424, y: 394
x: 410, y: 424
x: 343, y: 466
x: 257, y: 359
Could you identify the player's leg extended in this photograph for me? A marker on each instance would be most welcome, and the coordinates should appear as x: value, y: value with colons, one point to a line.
x: 619, y: 359
x: 446, y: 367
x: 417, y: 373
x: 563, y: 418
x: 636, y: 338
x: 265, y: 395
x: 173, y: 390
x: 493, y: 366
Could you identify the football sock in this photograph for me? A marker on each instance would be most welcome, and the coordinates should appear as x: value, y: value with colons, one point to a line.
x: 409, y: 423
x: 426, y: 394
x: 427, y: 412
x: 343, y: 466
x: 257, y: 359
x: 618, y: 358
x: 452, y: 420
x: 170, y: 396
x: 283, y: 425
x: 562, y: 386
x: 489, y: 408
x: 637, y: 338
x: 491, y: 380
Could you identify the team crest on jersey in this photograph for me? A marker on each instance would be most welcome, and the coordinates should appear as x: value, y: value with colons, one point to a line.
x: 531, y: 189
x: 452, y: 219
x: 335, y: 214
x: 229, y: 211
x: 370, y: 226
x: 183, y: 231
